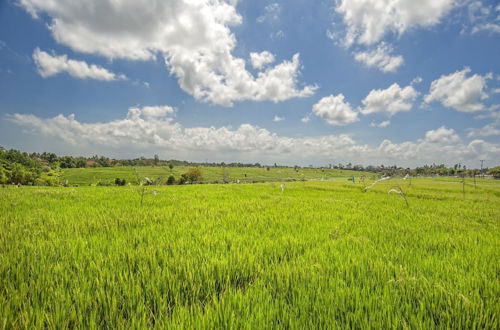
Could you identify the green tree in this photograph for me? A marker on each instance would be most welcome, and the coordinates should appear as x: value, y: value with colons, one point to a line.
x: 67, y: 162
x: 194, y: 174
x: 3, y: 175
x: 495, y: 172
x: 171, y: 180
x: 183, y: 178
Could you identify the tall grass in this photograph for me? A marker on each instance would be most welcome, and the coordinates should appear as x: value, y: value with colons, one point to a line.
x: 322, y: 255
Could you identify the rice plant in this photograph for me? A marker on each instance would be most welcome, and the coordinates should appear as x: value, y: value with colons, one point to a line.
x: 242, y: 257
x: 398, y: 190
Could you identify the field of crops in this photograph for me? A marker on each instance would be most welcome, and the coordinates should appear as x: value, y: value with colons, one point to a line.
x: 311, y: 255
x: 87, y: 176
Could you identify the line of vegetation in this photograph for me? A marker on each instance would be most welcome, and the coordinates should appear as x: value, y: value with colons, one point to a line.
x: 48, y: 169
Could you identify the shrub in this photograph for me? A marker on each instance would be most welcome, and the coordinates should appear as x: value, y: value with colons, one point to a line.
x: 3, y: 176
x: 171, y: 180
x: 194, y: 174
x: 183, y: 179
x: 120, y: 182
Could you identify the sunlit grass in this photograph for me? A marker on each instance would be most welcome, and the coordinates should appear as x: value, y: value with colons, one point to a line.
x: 315, y: 255
x: 87, y: 176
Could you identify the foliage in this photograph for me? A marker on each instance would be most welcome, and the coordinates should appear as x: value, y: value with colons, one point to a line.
x: 120, y: 182
x: 171, y: 180
x: 183, y: 178
x: 495, y: 172
x: 18, y: 168
x: 194, y: 174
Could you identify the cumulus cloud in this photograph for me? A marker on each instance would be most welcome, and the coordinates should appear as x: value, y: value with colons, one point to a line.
x: 278, y: 118
x: 193, y: 37
x: 154, y: 111
x: 442, y: 135
x: 153, y: 129
x: 259, y: 60
x: 368, y: 21
x: 335, y: 111
x: 458, y: 91
x: 391, y: 100
x: 380, y: 58
x: 49, y: 65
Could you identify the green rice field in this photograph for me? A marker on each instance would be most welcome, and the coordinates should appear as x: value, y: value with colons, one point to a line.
x: 88, y: 176
x: 251, y: 256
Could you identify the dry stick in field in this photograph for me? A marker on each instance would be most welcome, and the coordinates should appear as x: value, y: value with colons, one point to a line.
x: 382, y: 179
x: 463, y: 185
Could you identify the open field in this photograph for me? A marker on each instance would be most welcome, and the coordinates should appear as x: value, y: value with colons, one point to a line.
x: 87, y: 176
x: 318, y: 255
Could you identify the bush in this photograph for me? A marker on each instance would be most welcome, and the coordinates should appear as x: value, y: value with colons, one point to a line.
x: 194, y: 174
x: 495, y: 172
x: 120, y: 182
x: 183, y: 179
x: 3, y: 176
x: 171, y: 180
x: 103, y: 184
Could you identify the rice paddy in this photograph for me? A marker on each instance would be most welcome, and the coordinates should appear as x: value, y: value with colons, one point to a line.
x: 211, y: 174
x: 311, y: 255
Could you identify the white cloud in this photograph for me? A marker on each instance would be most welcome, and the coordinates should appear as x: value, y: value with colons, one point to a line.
x: 483, y: 17
x: 492, y: 114
x: 487, y: 130
x: 496, y: 91
x: 416, y: 81
x: 382, y: 124
x: 458, y: 91
x: 154, y: 111
x: 442, y: 135
x: 49, y: 65
x: 391, y: 100
x: 259, y: 60
x: 306, y: 119
x: 489, y: 27
x: 380, y: 58
x: 335, y: 111
x: 271, y: 13
x: 193, y: 37
x: 154, y: 131
x: 368, y: 21
x: 278, y: 118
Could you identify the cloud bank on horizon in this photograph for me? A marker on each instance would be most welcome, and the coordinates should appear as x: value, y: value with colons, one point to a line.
x: 351, y: 85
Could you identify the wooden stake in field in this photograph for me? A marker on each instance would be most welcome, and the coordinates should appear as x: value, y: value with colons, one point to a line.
x: 463, y: 185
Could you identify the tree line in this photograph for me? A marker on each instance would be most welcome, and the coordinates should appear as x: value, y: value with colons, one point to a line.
x: 17, y: 167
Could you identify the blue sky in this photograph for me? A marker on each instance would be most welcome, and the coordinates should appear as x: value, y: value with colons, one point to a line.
x: 365, y: 81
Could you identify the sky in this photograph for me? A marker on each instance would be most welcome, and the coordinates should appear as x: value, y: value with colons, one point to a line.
x: 371, y: 82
